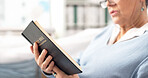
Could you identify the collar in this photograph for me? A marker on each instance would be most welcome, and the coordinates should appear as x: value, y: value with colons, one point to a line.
x: 132, y: 33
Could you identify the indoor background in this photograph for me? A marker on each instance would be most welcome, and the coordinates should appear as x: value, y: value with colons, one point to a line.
x: 72, y: 23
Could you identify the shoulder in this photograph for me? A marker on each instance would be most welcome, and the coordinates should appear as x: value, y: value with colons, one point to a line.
x: 107, y: 29
x: 142, y: 70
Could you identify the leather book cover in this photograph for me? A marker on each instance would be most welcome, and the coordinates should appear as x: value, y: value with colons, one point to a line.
x: 35, y: 33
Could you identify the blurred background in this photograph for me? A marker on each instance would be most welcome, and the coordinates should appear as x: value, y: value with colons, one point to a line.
x: 72, y: 23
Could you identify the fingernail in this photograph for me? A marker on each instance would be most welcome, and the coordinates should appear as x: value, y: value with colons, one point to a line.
x: 49, y: 57
x: 44, y: 50
x: 34, y: 44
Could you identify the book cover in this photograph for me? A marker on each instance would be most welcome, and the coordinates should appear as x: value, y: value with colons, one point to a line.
x: 35, y: 33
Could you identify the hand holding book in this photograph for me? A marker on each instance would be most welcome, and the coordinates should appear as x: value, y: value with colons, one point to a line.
x: 47, y: 64
x: 35, y: 33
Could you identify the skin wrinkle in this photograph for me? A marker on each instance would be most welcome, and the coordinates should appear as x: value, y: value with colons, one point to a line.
x: 137, y: 23
x: 126, y: 28
x: 135, y: 17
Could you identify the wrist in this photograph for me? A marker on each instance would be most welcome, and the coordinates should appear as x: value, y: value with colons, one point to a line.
x: 47, y: 73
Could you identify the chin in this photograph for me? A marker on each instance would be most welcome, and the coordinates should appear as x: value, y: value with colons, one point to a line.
x: 116, y: 20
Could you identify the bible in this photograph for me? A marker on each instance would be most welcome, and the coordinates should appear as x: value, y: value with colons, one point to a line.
x: 35, y: 33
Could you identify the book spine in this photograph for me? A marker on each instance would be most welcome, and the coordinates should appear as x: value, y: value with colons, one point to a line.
x: 27, y: 38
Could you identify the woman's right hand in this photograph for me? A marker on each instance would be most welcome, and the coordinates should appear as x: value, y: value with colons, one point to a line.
x: 46, y: 65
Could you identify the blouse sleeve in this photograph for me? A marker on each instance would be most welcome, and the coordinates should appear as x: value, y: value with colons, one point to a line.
x: 142, y: 71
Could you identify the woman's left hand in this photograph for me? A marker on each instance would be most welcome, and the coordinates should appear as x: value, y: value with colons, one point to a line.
x: 61, y: 74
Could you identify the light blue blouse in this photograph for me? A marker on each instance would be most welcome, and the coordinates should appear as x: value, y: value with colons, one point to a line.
x: 125, y: 59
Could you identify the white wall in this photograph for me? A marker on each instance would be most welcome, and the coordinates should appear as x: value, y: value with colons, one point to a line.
x: 18, y: 13
x: 58, y: 16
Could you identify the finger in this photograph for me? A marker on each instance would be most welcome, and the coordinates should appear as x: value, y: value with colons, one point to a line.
x: 50, y: 67
x: 35, y: 50
x: 72, y: 76
x: 42, y: 57
x: 46, y: 62
x: 61, y: 74
x: 75, y: 76
x: 31, y: 48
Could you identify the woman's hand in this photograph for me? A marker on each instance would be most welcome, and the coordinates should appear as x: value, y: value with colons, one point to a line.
x: 61, y: 74
x: 48, y: 65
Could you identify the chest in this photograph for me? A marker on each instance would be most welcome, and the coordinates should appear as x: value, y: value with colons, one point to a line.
x: 116, y: 60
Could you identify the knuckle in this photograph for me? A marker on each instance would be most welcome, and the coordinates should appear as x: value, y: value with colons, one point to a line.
x: 39, y: 63
x: 40, y: 58
x: 44, y: 65
x: 49, y: 69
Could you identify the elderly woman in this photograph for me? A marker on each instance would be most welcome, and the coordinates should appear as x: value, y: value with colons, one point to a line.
x: 119, y: 51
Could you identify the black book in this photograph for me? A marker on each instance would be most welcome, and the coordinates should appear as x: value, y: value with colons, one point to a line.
x: 35, y: 33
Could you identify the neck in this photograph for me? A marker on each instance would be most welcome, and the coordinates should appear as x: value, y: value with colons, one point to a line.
x: 141, y: 20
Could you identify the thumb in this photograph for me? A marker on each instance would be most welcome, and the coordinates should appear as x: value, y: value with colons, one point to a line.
x: 58, y: 71
x: 31, y: 48
x: 61, y: 74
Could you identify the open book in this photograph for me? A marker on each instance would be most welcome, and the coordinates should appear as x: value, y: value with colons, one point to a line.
x: 35, y: 33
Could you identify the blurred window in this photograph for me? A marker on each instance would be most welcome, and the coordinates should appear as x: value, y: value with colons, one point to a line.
x: 16, y: 14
